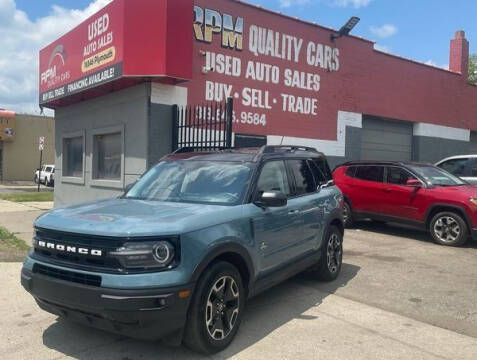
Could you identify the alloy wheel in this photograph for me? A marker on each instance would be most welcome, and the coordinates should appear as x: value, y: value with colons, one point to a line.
x: 222, y: 308
x: 334, y: 253
x: 447, y: 229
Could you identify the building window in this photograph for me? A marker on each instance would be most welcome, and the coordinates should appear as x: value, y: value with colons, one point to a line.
x: 107, y: 156
x: 73, y: 150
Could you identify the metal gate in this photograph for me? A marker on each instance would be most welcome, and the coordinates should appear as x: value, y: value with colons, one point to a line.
x: 202, y: 127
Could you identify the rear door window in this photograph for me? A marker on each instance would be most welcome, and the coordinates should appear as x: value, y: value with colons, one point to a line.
x: 370, y: 173
x: 304, y: 181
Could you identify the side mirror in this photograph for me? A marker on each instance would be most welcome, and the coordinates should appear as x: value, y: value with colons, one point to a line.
x: 272, y: 199
x: 413, y: 183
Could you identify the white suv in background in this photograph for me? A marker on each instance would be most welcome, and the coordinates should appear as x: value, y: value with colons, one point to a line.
x: 463, y: 166
x: 46, y: 175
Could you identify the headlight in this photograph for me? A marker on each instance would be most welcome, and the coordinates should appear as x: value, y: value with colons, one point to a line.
x: 151, y: 254
x: 473, y: 201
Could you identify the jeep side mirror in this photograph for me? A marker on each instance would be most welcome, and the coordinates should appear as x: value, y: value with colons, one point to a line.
x: 413, y: 183
x: 272, y: 199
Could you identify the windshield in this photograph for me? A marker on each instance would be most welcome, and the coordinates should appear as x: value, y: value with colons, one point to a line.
x: 436, y: 176
x: 207, y: 182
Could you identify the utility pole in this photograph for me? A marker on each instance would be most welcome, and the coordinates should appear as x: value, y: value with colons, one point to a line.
x: 41, y: 147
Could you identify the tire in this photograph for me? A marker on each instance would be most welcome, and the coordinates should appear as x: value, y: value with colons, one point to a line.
x: 329, y: 267
x: 36, y: 179
x: 208, y: 305
x: 47, y: 183
x: 348, y: 218
x: 449, y: 229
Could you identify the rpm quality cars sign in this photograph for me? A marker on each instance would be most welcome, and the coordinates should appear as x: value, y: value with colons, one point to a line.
x: 280, y: 72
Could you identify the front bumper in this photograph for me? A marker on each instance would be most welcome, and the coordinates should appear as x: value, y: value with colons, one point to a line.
x: 141, y: 314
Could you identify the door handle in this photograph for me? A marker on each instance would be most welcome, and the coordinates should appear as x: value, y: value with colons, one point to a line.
x: 293, y: 212
x: 388, y: 190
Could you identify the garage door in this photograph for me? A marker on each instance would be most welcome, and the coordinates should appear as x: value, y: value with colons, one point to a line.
x: 386, y: 139
x: 473, y: 142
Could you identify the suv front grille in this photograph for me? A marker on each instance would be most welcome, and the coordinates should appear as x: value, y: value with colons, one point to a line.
x: 65, y: 275
x: 87, y: 262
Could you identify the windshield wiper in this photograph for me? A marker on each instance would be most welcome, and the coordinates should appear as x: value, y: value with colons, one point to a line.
x: 134, y: 198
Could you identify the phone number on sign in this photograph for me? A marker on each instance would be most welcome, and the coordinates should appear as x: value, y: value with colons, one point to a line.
x: 249, y: 118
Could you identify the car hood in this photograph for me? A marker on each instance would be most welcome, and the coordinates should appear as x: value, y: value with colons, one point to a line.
x: 127, y: 217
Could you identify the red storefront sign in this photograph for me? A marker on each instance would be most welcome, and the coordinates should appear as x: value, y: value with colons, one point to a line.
x: 287, y: 77
x: 126, y: 39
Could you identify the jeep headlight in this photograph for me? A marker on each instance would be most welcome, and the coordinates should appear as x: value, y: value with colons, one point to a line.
x: 151, y: 254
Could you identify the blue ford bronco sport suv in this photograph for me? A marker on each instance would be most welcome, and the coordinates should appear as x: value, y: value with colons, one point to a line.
x: 178, y: 255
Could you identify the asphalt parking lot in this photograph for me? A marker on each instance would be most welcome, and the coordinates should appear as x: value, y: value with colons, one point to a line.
x: 399, y: 297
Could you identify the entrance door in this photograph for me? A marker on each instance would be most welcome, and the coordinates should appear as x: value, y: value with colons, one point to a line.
x: 386, y: 139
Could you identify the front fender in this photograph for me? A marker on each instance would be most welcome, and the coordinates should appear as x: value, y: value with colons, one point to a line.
x: 200, y: 248
x: 230, y: 247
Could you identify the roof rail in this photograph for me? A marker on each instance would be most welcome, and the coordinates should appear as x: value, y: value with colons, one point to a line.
x: 267, y: 149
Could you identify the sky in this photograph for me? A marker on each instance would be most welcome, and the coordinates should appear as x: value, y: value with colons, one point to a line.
x: 416, y: 29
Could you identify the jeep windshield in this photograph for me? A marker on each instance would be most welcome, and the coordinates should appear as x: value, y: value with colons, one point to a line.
x: 436, y: 176
x: 204, y: 182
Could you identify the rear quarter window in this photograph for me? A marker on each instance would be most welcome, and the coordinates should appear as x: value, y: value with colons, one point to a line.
x: 323, y: 167
x: 351, y: 171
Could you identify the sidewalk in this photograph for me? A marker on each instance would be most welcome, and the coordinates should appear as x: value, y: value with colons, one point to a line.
x: 19, y: 217
x: 16, y: 187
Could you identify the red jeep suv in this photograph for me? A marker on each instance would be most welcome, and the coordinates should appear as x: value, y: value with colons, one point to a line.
x: 411, y: 193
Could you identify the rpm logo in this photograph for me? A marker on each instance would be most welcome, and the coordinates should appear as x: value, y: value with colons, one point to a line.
x: 57, y: 60
x: 208, y: 22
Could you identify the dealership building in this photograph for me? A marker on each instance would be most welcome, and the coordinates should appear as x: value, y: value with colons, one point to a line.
x: 127, y: 81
